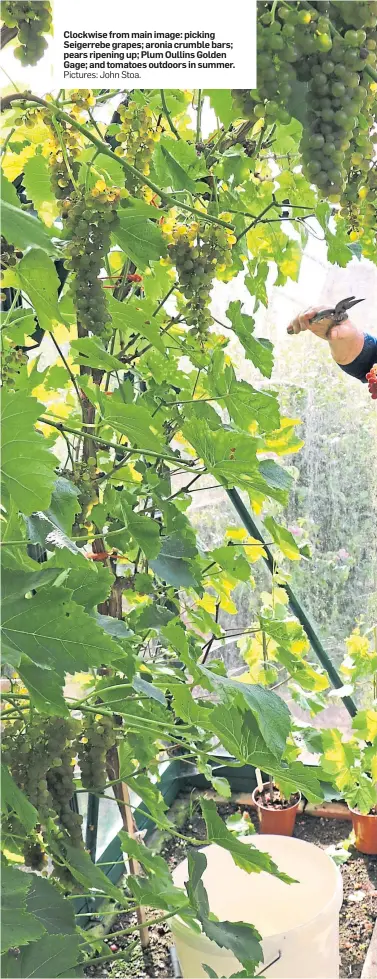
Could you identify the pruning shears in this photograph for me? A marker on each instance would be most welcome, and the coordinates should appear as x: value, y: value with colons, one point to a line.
x: 337, y: 314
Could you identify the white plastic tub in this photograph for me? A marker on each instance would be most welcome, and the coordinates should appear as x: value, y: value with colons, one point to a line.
x: 299, y: 923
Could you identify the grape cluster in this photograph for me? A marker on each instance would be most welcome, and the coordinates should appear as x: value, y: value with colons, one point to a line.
x: 98, y: 735
x: 198, y: 255
x: 39, y: 755
x: 327, y: 46
x: 137, y: 138
x: 28, y: 756
x: 372, y: 382
x: 12, y: 361
x: 90, y: 217
x: 32, y: 21
x: 82, y: 100
x: 9, y: 254
x: 63, y: 163
x: 61, y: 787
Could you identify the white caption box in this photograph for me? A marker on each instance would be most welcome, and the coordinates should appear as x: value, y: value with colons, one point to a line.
x: 201, y: 44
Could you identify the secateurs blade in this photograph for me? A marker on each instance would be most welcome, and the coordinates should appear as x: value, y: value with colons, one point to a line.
x: 337, y: 314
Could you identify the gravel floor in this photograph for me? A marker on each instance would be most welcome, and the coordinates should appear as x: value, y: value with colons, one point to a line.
x: 357, y: 917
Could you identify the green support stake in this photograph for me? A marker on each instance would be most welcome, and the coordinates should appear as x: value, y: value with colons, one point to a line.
x: 295, y: 605
x: 92, y: 825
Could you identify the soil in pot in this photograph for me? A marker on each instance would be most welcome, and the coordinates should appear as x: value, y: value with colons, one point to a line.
x: 365, y: 829
x: 276, y: 814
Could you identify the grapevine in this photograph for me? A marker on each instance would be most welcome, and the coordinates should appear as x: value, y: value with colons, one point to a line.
x: 32, y: 21
x: 90, y: 217
x: 98, y: 735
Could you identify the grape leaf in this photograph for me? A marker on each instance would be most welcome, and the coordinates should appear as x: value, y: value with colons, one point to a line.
x: 54, y: 633
x: 37, y: 183
x: 50, y: 907
x: 38, y: 277
x: 259, y: 351
x: 54, y: 526
x: 145, y: 531
x: 171, y: 566
x: 90, y: 351
x: 50, y: 957
x: 174, y: 175
x: 222, y: 104
x: 13, y: 800
x: 23, y: 230
x: 18, y: 926
x: 45, y: 689
x: 90, y: 875
x: 137, y: 423
x: 27, y: 466
x: 91, y: 585
x: 141, y: 240
x: 283, y: 538
x: 245, y: 855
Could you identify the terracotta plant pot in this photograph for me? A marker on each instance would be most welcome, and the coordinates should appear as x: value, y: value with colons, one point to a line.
x: 365, y: 830
x: 278, y: 822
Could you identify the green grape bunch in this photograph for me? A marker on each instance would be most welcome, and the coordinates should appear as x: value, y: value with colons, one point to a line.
x: 98, y: 736
x: 61, y: 786
x: 40, y: 755
x: 89, y: 218
x: 9, y: 254
x: 324, y: 55
x: 198, y: 255
x: 32, y: 20
x: 137, y: 137
x: 65, y: 145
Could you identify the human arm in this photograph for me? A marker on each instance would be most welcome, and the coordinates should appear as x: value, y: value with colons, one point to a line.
x: 352, y: 349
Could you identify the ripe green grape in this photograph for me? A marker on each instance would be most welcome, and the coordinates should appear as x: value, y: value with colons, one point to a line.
x: 327, y: 47
x: 89, y: 218
x: 137, y: 139
x: 98, y: 736
x: 32, y: 754
x: 197, y: 256
x: 32, y: 21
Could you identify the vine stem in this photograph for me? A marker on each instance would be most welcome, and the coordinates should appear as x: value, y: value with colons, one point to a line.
x: 105, y: 149
x: 256, y: 220
x: 7, y: 141
x: 168, y: 115
x: 67, y: 367
x: 98, y: 960
x: 112, y: 445
x: 146, y: 924
x: 199, y: 116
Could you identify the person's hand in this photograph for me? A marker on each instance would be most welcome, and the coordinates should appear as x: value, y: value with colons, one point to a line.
x: 323, y: 329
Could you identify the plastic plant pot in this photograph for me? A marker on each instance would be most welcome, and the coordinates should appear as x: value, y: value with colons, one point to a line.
x: 274, y: 821
x: 298, y: 923
x: 365, y: 830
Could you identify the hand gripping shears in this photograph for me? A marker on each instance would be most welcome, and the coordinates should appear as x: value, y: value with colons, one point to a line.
x: 337, y: 315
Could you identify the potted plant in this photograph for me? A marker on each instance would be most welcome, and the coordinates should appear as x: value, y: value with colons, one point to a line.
x: 352, y: 764
x: 276, y: 811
